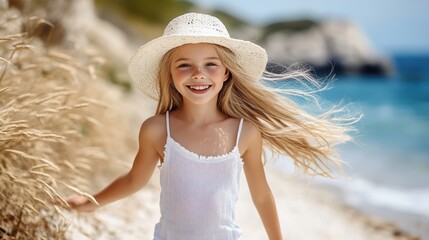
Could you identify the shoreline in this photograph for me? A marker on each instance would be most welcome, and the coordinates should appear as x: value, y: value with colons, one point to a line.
x: 411, y: 223
x: 310, y: 211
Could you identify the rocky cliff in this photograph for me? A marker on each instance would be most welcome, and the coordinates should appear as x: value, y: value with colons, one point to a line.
x: 327, y: 46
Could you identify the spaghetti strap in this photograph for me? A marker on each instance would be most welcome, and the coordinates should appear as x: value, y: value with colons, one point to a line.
x: 239, y: 132
x: 167, y: 122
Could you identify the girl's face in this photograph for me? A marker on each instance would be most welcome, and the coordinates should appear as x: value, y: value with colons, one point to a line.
x: 198, y: 73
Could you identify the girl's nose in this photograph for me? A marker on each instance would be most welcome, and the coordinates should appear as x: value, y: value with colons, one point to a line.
x: 198, y: 74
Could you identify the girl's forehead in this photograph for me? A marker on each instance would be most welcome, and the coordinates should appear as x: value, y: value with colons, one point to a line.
x: 195, y: 50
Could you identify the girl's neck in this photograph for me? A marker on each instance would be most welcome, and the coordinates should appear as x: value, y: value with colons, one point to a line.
x: 199, y: 114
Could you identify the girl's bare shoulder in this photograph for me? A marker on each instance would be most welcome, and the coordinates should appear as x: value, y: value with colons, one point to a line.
x: 154, y: 128
x: 250, y: 130
x: 250, y: 135
x: 250, y: 143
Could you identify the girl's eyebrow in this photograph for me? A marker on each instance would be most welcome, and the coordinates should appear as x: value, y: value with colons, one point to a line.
x: 207, y: 58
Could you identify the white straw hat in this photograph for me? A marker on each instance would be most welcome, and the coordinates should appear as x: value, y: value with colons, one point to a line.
x: 191, y: 28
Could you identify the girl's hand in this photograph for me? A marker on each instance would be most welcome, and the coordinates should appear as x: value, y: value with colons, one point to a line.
x: 81, y: 203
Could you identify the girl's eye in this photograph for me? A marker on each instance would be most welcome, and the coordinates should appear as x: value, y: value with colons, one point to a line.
x: 183, y: 65
x: 211, y: 64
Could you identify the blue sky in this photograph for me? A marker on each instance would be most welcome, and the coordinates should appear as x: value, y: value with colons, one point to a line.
x: 390, y: 25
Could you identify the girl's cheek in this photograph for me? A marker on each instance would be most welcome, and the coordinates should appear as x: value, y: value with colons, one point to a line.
x: 215, y: 71
x: 180, y: 74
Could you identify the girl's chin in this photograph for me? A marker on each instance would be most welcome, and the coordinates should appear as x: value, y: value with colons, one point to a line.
x: 200, y: 100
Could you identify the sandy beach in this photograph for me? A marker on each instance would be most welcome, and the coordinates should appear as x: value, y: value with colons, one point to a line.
x: 305, y: 212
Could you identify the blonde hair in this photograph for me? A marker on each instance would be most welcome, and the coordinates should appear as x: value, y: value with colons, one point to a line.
x: 285, y: 127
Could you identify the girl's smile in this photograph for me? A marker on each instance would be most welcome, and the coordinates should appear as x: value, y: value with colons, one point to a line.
x: 199, y: 89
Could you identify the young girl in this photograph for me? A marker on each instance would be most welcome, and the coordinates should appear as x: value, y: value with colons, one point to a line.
x: 213, y: 117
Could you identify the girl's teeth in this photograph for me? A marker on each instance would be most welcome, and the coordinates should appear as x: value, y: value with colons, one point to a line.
x: 199, y: 87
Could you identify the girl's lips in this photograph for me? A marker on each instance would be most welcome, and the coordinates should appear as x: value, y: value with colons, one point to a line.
x: 199, y: 89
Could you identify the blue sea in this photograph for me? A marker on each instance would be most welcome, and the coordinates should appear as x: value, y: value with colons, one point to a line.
x: 388, y: 165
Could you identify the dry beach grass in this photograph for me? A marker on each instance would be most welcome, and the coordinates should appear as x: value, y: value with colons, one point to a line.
x: 53, y: 113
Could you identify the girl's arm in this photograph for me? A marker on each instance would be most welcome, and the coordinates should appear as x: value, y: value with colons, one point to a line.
x: 260, y: 191
x: 143, y: 167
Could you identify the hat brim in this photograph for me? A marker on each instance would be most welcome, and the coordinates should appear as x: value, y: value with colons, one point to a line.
x: 144, y: 65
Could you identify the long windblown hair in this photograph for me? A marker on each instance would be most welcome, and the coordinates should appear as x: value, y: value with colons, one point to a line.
x: 286, y: 128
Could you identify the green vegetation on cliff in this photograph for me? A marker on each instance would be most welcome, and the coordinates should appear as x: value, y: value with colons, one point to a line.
x: 152, y: 16
x: 156, y: 12
x: 290, y: 26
